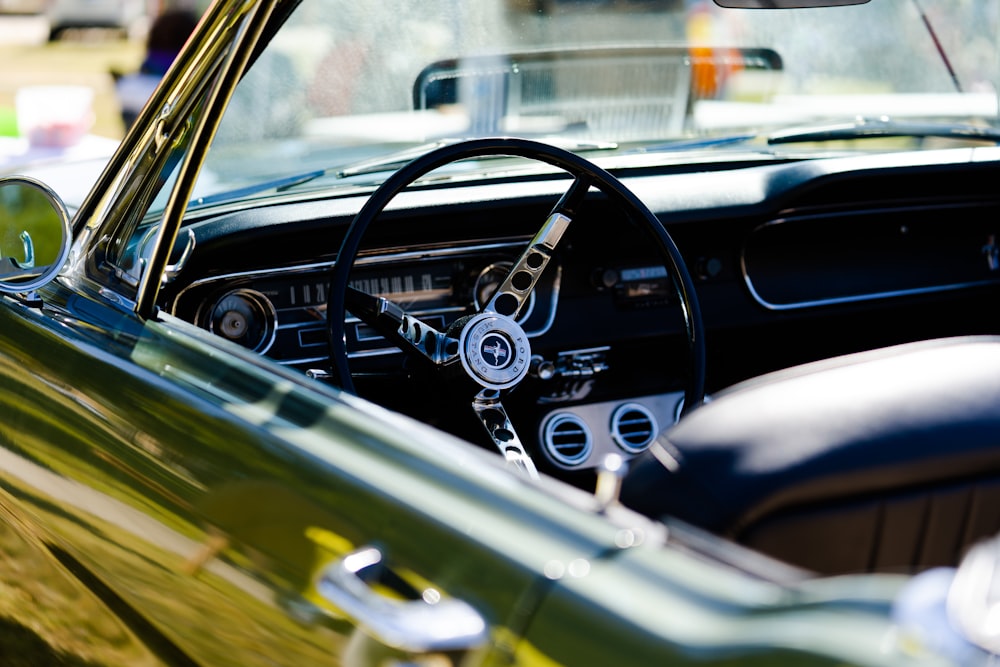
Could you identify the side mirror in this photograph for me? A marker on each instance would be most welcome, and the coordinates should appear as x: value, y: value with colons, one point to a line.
x: 35, y: 234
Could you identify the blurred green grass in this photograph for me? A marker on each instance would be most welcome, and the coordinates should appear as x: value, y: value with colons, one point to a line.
x: 8, y: 122
x: 86, y: 60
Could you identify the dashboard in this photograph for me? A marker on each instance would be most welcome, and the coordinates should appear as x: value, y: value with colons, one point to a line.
x: 793, y: 262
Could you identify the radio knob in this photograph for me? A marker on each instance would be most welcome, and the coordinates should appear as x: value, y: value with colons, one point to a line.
x: 542, y: 368
x: 708, y: 267
x: 605, y: 278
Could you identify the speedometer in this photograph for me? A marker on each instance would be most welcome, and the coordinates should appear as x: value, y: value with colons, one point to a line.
x: 424, y: 287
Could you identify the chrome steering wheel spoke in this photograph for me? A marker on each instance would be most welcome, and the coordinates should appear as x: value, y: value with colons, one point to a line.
x: 513, y: 293
x: 406, y: 332
x: 491, y: 413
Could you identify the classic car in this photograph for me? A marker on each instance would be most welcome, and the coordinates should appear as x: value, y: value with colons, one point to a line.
x: 512, y: 332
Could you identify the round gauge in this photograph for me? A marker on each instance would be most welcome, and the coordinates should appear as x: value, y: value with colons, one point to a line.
x: 489, y: 281
x: 246, y: 317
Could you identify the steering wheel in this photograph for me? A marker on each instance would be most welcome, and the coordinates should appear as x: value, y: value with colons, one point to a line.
x: 490, y: 348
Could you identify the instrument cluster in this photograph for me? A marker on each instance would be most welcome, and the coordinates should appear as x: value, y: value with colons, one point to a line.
x: 282, y: 313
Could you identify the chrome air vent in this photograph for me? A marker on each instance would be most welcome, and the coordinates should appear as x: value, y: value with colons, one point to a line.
x: 633, y: 427
x: 566, y: 439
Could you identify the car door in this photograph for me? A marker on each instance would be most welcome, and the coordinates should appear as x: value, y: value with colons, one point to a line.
x: 212, y: 499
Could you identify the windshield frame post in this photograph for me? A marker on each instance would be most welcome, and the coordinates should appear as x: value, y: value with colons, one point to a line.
x: 207, y: 124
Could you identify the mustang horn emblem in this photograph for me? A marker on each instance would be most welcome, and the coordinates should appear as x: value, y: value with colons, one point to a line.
x: 497, y: 349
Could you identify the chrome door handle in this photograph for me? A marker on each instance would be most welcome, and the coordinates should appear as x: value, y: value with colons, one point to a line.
x: 417, y: 626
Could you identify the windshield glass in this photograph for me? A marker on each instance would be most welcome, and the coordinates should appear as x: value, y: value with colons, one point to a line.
x: 344, y: 83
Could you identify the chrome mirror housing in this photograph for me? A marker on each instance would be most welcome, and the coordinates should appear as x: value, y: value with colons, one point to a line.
x: 35, y: 234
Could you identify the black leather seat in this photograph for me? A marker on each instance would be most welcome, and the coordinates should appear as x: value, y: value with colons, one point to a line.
x: 886, y: 460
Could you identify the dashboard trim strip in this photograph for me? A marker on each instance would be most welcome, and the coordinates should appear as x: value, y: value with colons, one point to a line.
x: 791, y: 216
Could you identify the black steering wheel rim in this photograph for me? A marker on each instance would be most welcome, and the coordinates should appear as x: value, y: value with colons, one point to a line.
x: 572, y: 163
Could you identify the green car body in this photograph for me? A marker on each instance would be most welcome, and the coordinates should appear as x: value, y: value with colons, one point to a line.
x: 170, y: 497
x: 203, y: 491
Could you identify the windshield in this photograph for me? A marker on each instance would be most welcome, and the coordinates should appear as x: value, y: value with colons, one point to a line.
x: 346, y: 83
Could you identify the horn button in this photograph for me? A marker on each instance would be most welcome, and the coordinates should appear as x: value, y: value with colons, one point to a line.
x: 494, y: 351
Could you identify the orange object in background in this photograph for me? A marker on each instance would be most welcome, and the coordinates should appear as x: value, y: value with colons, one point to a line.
x: 711, y: 66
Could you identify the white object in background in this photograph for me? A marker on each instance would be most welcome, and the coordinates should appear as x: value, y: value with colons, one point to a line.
x: 54, y: 116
